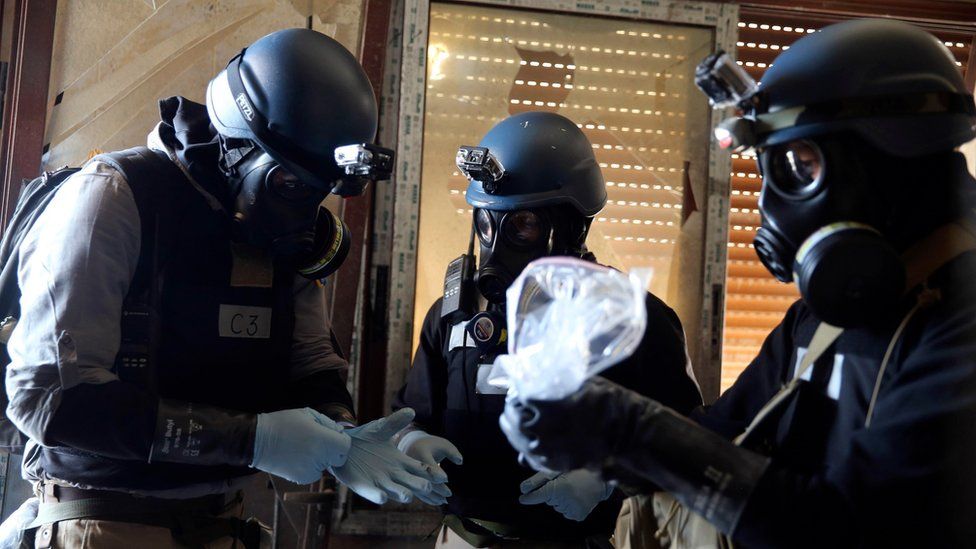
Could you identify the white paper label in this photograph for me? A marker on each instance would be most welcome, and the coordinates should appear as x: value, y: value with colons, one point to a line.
x: 482, y: 386
x: 460, y: 337
x: 248, y: 322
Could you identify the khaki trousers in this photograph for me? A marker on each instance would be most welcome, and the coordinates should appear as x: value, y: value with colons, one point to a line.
x: 106, y: 534
x: 448, y: 539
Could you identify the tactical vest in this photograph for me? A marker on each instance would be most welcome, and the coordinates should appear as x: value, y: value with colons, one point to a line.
x: 216, y: 337
x: 486, y: 486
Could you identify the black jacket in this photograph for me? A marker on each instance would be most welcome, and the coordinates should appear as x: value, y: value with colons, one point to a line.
x: 441, y: 387
x: 906, y: 481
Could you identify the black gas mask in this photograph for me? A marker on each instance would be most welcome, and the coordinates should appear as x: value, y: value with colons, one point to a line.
x: 821, y: 220
x: 840, y: 156
x: 276, y: 211
x: 509, y: 241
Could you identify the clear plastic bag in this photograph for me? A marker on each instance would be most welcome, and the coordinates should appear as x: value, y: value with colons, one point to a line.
x: 568, y: 320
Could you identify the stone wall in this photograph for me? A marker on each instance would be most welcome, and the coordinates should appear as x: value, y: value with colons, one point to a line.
x: 114, y: 59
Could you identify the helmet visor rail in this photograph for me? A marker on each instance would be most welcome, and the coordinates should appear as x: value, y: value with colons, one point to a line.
x: 753, y: 130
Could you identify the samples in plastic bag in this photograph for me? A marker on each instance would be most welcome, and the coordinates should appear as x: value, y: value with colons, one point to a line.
x: 568, y: 320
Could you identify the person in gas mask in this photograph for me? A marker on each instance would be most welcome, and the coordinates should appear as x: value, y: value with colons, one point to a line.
x: 229, y: 247
x: 855, y: 426
x: 535, y: 187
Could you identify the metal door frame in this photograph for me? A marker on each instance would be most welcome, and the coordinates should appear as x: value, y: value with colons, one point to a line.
x: 397, y: 211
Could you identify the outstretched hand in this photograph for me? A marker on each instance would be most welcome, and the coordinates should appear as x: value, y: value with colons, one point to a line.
x: 378, y: 471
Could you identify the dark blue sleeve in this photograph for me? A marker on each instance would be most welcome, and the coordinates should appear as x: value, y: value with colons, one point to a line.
x: 426, y: 387
x: 908, y: 480
x: 659, y: 367
x: 764, y: 376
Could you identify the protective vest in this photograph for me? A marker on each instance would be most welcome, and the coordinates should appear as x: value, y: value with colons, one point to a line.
x: 220, y: 333
x: 486, y: 486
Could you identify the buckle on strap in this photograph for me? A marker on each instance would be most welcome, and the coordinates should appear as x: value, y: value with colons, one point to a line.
x: 48, y: 493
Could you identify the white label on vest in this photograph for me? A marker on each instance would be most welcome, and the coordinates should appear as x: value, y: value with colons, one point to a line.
x: 460, y: 337
x: 833, y: 384
x: 241, y: 321
x: 483, y: 386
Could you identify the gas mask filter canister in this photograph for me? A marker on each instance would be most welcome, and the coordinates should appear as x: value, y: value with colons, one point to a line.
x: 330, y: 248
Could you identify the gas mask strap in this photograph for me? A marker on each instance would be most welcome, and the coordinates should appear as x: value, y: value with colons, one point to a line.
x: 474, y: 225
x: 938, y: 248
x: 921, y: 260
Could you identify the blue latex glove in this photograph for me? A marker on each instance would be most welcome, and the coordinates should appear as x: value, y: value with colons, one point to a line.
x: 431, y: 450
x: 377, y: 470
x: 574, y: 494
x: 298, y: 444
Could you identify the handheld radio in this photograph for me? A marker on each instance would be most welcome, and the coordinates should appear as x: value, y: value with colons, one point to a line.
x: 460, y: 299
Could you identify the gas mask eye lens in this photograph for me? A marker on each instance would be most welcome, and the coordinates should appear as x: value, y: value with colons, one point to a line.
x: 796, y: 168
x: 286, y: 185
x: 522, y: 228
x: 484, y: 226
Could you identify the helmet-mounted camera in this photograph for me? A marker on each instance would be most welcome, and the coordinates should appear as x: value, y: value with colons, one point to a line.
x: 478, y: 164
x: 724, y: 82
x: 362, y: 163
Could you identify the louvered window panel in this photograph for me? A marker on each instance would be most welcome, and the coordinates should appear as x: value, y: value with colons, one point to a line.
x: 628, y: 85
x: 755, y: 301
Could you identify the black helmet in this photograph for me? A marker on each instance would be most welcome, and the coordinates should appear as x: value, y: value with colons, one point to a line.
x: 544, y: 160
x: 300, y: 95
x: 894, y: 85
x: 535, y: 186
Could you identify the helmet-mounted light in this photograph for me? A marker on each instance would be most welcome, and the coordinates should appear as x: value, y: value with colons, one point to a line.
x: 478, y: 164
x: 737, y: 134
x: 362, y: 163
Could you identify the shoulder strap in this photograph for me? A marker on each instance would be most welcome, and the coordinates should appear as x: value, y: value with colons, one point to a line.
x: 31, y: 202
x: 150, y: 175
x: 921, y: 260
x: 945, y: 244
x: 823, y: 338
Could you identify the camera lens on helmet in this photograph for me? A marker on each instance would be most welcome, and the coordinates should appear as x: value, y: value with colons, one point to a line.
x: 794, y: 169
x: 523, y: 228
x: 484, y: 226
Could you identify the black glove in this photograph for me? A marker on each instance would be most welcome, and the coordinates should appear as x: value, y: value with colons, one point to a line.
x: 201, y: 434
x: 607, y: 427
